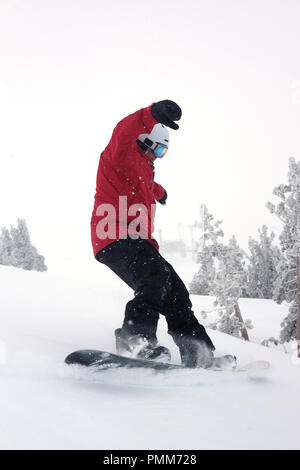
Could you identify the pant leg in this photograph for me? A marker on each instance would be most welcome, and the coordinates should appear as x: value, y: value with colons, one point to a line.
x: 179, y: 314
x: 138, y: 263
x: 178, y: 306
x: 157, y: 289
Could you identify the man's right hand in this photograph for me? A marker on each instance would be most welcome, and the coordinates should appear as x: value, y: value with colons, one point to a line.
x: 166, y: 112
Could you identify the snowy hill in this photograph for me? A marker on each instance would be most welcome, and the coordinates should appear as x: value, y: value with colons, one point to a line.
x: 48, y: 405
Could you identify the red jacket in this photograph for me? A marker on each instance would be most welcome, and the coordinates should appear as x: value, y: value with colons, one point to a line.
x: 125, y: 170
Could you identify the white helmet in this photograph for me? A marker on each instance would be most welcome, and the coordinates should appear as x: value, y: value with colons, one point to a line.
x: 157, y: 138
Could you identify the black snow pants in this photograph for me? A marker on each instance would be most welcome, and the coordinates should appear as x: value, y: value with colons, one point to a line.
x: 157, y: 290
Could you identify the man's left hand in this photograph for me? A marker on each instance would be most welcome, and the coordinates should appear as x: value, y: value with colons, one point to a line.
x: 163, y: 200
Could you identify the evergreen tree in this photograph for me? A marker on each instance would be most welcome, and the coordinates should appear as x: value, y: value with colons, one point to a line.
x: 202, y: 280
x: 17, y: 250
x: 209, y: 232
x: 287, y: 284
x: 228, y: 285
x: 222, y: 274
x: 262, y: 272
x: 6, y: 247
x: 22, y: 256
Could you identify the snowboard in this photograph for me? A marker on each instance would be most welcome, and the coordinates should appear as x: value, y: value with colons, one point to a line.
x: 102, y: 360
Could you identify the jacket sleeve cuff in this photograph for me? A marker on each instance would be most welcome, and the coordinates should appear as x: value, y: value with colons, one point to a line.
x: 148, y: 120
x: 158, y: 191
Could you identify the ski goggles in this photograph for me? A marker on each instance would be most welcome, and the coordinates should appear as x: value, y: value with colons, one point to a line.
x: 160, y: 150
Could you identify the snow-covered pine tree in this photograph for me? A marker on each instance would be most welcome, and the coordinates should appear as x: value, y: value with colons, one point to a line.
x: 209, y: 235
x: 227, y: 287
x: 287, y: 284
x: 203, y: 278
x: 263, y: 259
x: 24, y: 254
x: 6, y: 247
x: 222, y: 274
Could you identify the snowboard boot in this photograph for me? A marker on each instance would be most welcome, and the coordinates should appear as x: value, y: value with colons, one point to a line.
x: 140, y: 346
x: 196, y: 348
x: 199, y: 353
x: 195, y: 353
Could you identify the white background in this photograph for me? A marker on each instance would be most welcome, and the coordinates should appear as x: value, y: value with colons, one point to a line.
x: 70, y: 70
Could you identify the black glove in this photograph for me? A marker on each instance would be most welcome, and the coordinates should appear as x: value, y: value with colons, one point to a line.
x: 163, y: 200
x: 166, y: 112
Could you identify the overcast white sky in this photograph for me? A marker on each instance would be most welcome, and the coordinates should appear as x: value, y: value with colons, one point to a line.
x: 71, y: 69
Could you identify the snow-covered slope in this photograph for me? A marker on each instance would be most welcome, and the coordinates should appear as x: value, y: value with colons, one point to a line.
x: 46, y: 404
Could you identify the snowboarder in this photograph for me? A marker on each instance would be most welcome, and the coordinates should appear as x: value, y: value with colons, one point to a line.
x: 126, y: 173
